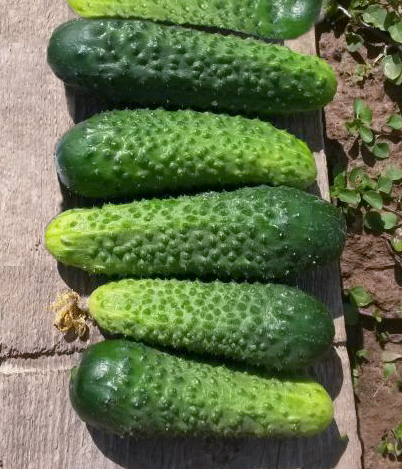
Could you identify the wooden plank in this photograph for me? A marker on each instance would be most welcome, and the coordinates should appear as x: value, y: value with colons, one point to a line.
x: 39, y: 427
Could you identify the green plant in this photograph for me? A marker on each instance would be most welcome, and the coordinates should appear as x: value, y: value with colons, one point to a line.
x: 361, y: 127
x: 391, y: 442
x: 357, y: 359
x: 383, y: 20
x: 355, y: 298
x: 359, y: 193
x: 388, y: 360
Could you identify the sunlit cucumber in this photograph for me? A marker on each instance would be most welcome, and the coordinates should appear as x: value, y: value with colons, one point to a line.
x: 130, y: 389
x: 255, y: 233
x: 270, y: 325
x: 278, y: 19
x: 131, y: 153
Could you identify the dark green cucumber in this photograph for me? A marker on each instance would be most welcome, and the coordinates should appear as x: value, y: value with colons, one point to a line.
x: 274, y: 326
x: 137, y: 62
x: 129, y: 153
x: 276, y: 19
x: 259, y: 233
x: 130, y: 389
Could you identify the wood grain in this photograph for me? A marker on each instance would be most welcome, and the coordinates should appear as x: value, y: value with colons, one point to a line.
x: 58, y: 439
x: 38, y: 427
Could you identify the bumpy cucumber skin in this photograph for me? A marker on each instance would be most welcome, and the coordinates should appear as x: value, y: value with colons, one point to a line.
x: 252, y: 233
x: 131, y: 153
x: 275, y: 19
x: 274, y: 326
x: 130, y: 389
x: 136, y: 62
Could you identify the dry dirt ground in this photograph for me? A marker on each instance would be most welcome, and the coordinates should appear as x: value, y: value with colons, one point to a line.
x: 367, y: 260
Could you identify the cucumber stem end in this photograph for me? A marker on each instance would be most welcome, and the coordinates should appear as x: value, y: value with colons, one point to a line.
x: 70, y: 315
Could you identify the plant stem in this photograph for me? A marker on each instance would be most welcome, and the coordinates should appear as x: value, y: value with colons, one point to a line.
x: 382, y: 384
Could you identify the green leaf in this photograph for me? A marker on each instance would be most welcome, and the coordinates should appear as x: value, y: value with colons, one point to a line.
x: 372, y: 221
x: 396, y: 243
x: 361, y: 296
x: 362, y: 111
x: 381, y: 150
x: 396, y: 32
x: 362, y: 354
x: 353, y: 41
x: 382, y: 447
x: 375, y: 15
x: 390, y: 447
x: 366, y: 134
x: 389, y: 219
x: 351, y: 314
x: 361, y: 72
x: 394, y: 121
x: 378, y: 222
x: 398, y: 449
x: 352, y: 127
x: 398, y: 81
x: 356, y: 176
x: 374, y: 199
x: 384, y: 185
x: 377, y: 315
x: 388, y: 369
x: 394, y: 173
x: 359, y: 179
x: 358, y: 4
x: 388, y: 356
x: 383, y: 338
x: 392, y: 66
x: 349, y: 197
x: 340, y: 180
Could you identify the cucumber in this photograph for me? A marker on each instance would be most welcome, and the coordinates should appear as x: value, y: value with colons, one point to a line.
x: 136, y: 62
x: 275, y: 19
x: 274, y: 326
x: 130, y: 389
x: 129, y: 153
x: 256, y: 233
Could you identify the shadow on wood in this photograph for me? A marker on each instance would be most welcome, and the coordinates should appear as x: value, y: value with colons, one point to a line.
x: 320, y: 452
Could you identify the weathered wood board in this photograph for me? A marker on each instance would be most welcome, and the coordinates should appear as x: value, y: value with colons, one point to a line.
x: 38, y: 427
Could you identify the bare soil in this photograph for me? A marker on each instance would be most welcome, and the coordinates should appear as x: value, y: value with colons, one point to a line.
x: 367, y: 259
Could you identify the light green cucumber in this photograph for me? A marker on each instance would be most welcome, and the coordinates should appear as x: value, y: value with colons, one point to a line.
x: 268, y: 325
x: 276, y: 19
x: 251, y: 233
